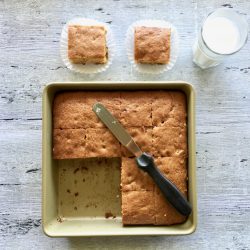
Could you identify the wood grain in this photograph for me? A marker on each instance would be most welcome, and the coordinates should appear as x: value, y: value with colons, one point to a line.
x: 29, y: 59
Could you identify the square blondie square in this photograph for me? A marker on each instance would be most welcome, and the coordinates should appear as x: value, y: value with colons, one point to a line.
x: 175, y: 169
x: 87, y: 44
x: 133, y: 178
x: 101, y: 143
x: 74, y: 109
x: 165, y: 213
x: 69, y: 110
x: 69, y: 143
x: 136, y: 109
x: 162, y: 103
x: 179, y: 109
x: 152, y: 45
x: 138, y: 208
x: 142, y: 137
x: 169, y: 109
x: 169, y: 141
x: 111, y: 100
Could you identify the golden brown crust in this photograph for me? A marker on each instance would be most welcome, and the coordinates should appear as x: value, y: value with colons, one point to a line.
x: 136, y: 109
x: 175, y: 169
x: 157, y: 122
x: 74, y: 109
x: 162, y: 104
x: 87, y: 44
x: 111, y: 100
x: 101, y: 143
x: 169, y: 109
x: 152, y: 45
x: 69, y: 143
x: 133, y: 109
x: 137, y: 208
x: 169, y: 141
x: 166, y: 214
x: 69, y: 110
x: 142, y: 137
x: 133, y: 178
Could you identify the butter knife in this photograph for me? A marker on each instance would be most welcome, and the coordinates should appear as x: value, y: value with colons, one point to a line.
x: 144, y: 160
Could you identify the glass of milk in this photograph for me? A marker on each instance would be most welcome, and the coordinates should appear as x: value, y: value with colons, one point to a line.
x: 223, y: 33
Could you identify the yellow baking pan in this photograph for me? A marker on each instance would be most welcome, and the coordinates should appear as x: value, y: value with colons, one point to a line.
x: 81, y: 197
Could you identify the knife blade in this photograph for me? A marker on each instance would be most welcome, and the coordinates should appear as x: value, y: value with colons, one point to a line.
x: 144, y: 160
x: 117, y: 129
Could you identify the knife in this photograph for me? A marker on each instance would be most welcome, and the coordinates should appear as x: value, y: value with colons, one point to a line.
x: 144, y: 161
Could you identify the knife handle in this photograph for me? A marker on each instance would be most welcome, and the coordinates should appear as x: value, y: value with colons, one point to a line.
x: 170, y: 191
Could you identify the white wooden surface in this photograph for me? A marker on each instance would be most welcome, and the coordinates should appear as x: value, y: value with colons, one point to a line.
x: 29, y: 59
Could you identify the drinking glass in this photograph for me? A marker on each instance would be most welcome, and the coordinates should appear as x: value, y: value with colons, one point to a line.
x: 223, y: 33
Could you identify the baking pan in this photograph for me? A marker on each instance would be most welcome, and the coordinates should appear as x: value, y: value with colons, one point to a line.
x: 81, y: 197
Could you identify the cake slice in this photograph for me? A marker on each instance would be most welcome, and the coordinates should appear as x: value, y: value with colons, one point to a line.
x: 152, y: 45
x: 142, y: 137
x: 74, y: 109
x: 169, y: 141
x: 100, y: 142
x: 87, y: 44
x: 136, y: 109
x: 111, y: 100
x: 138, y: 208
x: 69, y: 109
x: 69, y: 143
x: 169, y: 109
x: 175, y: 169
x: 133, y: 178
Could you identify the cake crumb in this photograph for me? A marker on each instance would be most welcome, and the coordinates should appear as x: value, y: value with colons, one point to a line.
x: 108, y: 215
x: 76, y: 170
x: 59, y: 219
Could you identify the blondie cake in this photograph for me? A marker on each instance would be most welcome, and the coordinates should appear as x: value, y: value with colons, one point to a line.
x: 157, y: 122
x: 152, y: 45
x: 87, y: 44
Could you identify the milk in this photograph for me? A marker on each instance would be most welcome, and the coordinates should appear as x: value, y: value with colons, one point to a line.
x: 219, y: 37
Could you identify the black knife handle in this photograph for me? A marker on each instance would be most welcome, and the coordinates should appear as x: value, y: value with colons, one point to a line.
x: 170, y: 191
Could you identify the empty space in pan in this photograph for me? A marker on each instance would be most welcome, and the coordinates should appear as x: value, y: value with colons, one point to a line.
x: 89, y: 188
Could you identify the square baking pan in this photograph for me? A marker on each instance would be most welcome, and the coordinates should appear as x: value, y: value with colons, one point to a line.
x: 82, y: 197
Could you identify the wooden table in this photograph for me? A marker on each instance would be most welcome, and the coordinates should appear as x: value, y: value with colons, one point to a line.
x: 30, y: 34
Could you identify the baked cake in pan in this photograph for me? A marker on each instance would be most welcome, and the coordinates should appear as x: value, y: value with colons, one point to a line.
x: 157, y: 122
